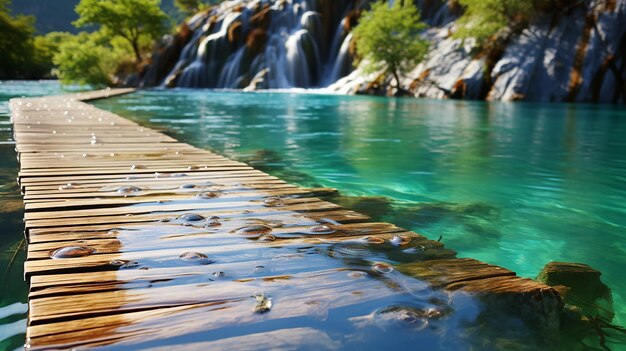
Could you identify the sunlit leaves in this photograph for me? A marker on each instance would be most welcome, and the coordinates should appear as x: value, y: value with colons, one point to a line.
x: 483, y: 19
x: 388, y: 36
x: 128, y: 19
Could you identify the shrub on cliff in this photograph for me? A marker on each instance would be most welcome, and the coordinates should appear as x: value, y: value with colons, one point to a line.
x: 388, y: 37
x: 484, y: 19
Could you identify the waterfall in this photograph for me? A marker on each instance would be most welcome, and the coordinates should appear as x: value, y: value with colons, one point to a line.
x: 343, y: 62
x: 279, y: 43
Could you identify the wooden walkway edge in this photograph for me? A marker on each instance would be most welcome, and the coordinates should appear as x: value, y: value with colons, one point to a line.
x: 137, y: 240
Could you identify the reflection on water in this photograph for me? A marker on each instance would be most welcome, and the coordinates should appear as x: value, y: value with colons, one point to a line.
x: 338, y: 286
x: 512, y: 184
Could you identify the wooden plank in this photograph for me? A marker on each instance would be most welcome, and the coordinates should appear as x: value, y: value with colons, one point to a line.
x: 171, y: 195
x: 91, y: 231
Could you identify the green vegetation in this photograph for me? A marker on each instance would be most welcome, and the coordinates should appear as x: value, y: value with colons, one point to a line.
x: 16, y: 45
x: 187, y: 6
x: 46, y: 47
x: 484, y: 19
x: 85, y: 59
x: 135, y: 21
x: 388, y: 37
x: 124, y: 30
x: 190, y: 7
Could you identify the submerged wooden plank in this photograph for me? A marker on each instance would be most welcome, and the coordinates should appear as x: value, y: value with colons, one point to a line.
x: 137, y: 240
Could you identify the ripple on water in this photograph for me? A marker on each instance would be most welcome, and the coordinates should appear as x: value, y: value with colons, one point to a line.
x: 124, y: 264
x: 352, y: 250
x: 411, y: 317
x: 382, y: 268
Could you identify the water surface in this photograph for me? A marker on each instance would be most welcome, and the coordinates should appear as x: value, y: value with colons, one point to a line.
x: 513, y: 184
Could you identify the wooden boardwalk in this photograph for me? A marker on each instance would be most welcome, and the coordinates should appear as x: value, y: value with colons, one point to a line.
x: 139, y: 241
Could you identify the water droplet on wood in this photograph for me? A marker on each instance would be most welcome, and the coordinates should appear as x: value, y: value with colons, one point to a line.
x: 207, y: 195
x: 357, y: 275
x: 72, y: 252
x: 382, y: 268
x: 195, y: 258
x: 267, y: 237
x: 190, y: 217
x: 273, y: 201
x: 321, y: 229
x: 253, y: 230
x: 400, y: 240
x: 128, y: 189
x: 69, y: 186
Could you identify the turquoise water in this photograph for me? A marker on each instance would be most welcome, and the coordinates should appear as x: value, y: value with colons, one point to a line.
x: 513, y: 184
x: 13, y: 289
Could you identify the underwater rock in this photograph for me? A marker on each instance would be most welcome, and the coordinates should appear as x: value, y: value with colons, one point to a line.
x: 264, y: 159
x: 580, y: 286
x: 373, y: 206
x: 499, y: 290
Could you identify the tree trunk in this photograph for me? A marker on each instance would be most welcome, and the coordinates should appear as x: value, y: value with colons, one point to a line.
x: 135, y: 45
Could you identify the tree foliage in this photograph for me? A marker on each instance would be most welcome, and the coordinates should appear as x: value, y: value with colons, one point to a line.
x: 483, y: 19
x: 187, y: 6
x: 46, y: 46
x: 83, y: 59
x: 16, y: 44
x: 388, y: 36
x: 132, y: 20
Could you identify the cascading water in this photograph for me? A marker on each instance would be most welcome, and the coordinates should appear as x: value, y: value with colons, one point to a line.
x: 261, y: 44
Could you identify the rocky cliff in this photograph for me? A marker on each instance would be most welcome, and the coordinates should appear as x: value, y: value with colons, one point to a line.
x: 574, y: 52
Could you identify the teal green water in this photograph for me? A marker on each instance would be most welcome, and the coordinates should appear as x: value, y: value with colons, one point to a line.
x: 13, y: 289
x: 513, y: 184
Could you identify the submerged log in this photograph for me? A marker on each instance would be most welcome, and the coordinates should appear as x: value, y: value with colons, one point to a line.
x: 581, y: 287
x: 498, y: 288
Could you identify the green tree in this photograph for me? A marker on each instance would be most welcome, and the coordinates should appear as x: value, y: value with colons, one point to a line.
x: 132, y: 20
x: 483, y: 19
x: 388, y: 36
x: 16, y: 44
x: 83, y: 59
x: 46, y: 46
x: 187, y: 6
